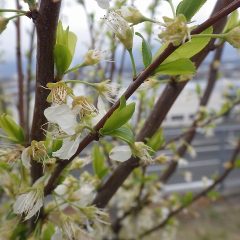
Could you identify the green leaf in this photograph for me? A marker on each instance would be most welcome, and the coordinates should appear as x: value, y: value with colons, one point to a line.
x: 188, y: 49
x: 62, y: 58
x: 157, y: 140
x: 48, y: 232
x: 213, y: 195
x: 124, y: 133
x: 146, y: 51
x: 232, y: 21
x: 237, y: 163
x: 119, y: 117
x: 187, y: 199
x: 182, y: 66
x: 13, y: 131
x: 98, y: 162
x: 189, y: 8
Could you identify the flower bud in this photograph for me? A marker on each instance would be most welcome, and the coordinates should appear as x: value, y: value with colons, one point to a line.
x: 131, y: 15
x: 233, y: 37
x: 3, y: 24
x: 92, y: 57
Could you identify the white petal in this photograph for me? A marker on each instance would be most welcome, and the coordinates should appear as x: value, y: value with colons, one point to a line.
x: 120, y: 153
x: 103, y: 4
x: 68, y: 149
x: 63, y: 116
x: 26, y: 159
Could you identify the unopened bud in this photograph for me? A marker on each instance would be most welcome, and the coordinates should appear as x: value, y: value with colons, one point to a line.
x: 233, y: 37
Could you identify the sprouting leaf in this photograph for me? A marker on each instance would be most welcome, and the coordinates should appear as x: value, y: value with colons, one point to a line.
x: 187, y: 198
x: 237, y: 163
x: 98, y: 162
x: 124, y: 133
x: 119, y: 117
x: 12, y: 130
x: 146, y: 51
x: 189, y: 8
x: 213, y: 195
x: 62, y: 58
x: 157, y: 140
x: 182, y: 66
x: 64, y: 49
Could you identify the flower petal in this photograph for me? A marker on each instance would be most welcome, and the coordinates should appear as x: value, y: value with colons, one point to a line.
x: 120, y: 153
x: 63, y: 116
x: 103, y: 4
x: 68, y: 149
x: 26, y: 159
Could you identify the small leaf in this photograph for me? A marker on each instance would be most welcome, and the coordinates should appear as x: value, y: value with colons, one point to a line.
x: 119, y: 117
x: 98, y: 162
x: 187, y: 199
x: 237, y: 163
x: 146, y: 51
x: 157, y: 140
x: 124, y: 133
x: 182, y: 66
x: 62, y: 58
x: 189, y: 8
x: 213, y: 195
x: 232, y: 21
x: 13, y: 131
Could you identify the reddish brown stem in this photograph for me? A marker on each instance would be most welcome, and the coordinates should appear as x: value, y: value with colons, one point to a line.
x: 46, y: 24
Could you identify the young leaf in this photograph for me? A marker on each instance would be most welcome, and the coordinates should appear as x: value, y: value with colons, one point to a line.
x: 13, y: 131
x: 124, y: 133
x: 98, y: 162
x: 62, y: 58
x: 119, y: 117
x: 189, y: 8
x: 232, y: 21
x: 157, y: 140
x: 146, y: 51
x: 182, y: 66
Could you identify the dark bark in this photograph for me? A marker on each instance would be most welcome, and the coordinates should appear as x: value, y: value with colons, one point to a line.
x: 46, y: 23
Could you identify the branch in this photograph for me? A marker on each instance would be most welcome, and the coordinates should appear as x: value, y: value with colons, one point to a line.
x: 220, y: 179
x: 46, y: 23
x: 131, y: 164
x: 21, y: 107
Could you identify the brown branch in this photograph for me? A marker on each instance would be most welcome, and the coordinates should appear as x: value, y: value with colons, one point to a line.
x: 220, y: 179
x: 126, y: 168
x: 21, y: 105
x: 46, y: 24
x: 160, y: 110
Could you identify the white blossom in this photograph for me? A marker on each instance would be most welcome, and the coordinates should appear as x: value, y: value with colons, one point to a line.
x: 30, y: 203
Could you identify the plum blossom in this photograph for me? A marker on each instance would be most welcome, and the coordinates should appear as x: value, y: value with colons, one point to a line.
x: 139, y: 149
x: 30, y: 203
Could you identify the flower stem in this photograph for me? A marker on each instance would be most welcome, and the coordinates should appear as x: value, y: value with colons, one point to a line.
x: 172, y: 8
x: 79, y: 81
x: 16, y: 16
x: 13, y: 10
x: 75, y: 68
x: 133, y: 63
x: 221, y: 36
